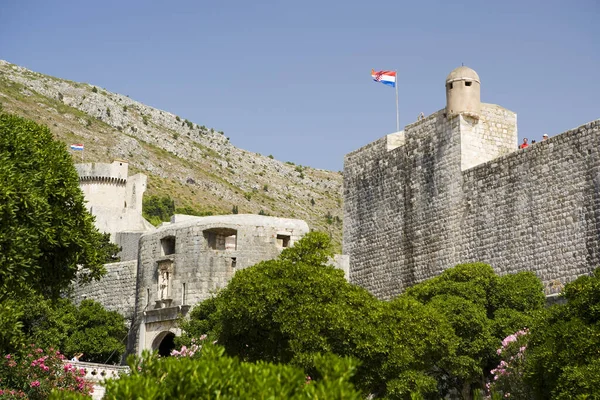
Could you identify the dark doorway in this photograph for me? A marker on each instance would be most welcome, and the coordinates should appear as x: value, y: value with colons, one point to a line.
x: 166, y: 345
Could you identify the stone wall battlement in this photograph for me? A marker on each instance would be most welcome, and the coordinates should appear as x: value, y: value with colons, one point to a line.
x: 106, y: 180
x: 118, y: 169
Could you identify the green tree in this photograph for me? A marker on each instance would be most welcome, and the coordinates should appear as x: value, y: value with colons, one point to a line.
x: 88, y: 328
x: 290, y: 309
x: 109, y: 250
x: 563, y: 354
x: 419, y: 343
x: 158, y: 209
x: 187, y: 210
x: 481, y: 307
x: 46, y: 232
x: 98, y: 333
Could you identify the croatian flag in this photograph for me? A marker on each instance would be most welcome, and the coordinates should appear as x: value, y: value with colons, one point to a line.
x: 385, y: 77
x: 77, y: 147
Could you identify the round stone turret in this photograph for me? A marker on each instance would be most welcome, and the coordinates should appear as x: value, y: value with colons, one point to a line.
x: 463, y: 90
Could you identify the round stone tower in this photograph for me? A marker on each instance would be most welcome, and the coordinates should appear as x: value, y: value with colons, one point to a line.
x: 463, y: 92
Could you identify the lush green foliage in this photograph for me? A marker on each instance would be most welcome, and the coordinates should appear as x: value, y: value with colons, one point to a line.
x: 441, y: 336
x: 45, y: 228
x: 109, y: 250
x: 482, y: 309
x: 563, y: 356
x: 158, y: 209
x: 210, y: 374
x: 34, y: 373
x: 291, y: 309
x: 88, y: 328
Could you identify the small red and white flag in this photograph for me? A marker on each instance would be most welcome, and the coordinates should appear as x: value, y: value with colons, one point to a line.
x: 385, y: 77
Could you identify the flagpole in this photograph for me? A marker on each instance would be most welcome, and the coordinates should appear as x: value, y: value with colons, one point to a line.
x: 397, y: 109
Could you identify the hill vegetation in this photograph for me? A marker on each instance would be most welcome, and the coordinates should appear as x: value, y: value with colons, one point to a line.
x: 196, y: 166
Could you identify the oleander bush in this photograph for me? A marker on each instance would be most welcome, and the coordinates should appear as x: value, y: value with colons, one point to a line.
x: 33, y: 373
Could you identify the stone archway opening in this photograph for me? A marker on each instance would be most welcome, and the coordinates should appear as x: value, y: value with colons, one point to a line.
x: 164, y: 344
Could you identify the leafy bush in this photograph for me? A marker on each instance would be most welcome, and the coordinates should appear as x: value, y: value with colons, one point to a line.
x: 87, y: 328
x: 36, y: 372
x: 481, y: 307
x: 439, y: 338
x: 158, y: 209
x: 210, y: 374
x: 291, y: 309
x: 562, y: 359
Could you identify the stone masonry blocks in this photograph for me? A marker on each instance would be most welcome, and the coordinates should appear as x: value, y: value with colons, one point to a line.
x: 458, y: 190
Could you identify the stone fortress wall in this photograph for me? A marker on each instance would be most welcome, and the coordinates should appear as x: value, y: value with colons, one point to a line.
x: 188, y: 260
x: 453, y: 188
x: 115, y: 290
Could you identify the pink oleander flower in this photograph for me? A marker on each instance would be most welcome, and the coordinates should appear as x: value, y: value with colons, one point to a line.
x: 203, y: 337
x: 35, y: 384
x: 7, y: 356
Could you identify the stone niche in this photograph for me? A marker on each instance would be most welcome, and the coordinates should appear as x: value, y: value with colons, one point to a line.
x: 165, y: 283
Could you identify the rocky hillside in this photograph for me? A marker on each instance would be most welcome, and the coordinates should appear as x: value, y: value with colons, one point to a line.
x: 194, y: 164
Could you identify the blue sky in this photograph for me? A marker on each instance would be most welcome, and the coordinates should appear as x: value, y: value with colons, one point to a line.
x: 292, y: 78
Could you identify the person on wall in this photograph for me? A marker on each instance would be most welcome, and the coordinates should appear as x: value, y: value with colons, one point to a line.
x: 525, y: 144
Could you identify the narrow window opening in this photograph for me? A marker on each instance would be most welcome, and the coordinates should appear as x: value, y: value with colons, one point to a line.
x: 468, y: 83
x: 450, y: 85
x: 283, y: 241
x: 167, y: 245
x: 147, y: 296
x: 183, y: 294
x: 233, y: 262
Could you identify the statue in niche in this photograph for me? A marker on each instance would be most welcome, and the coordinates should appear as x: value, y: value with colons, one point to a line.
x: 164, y: 284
